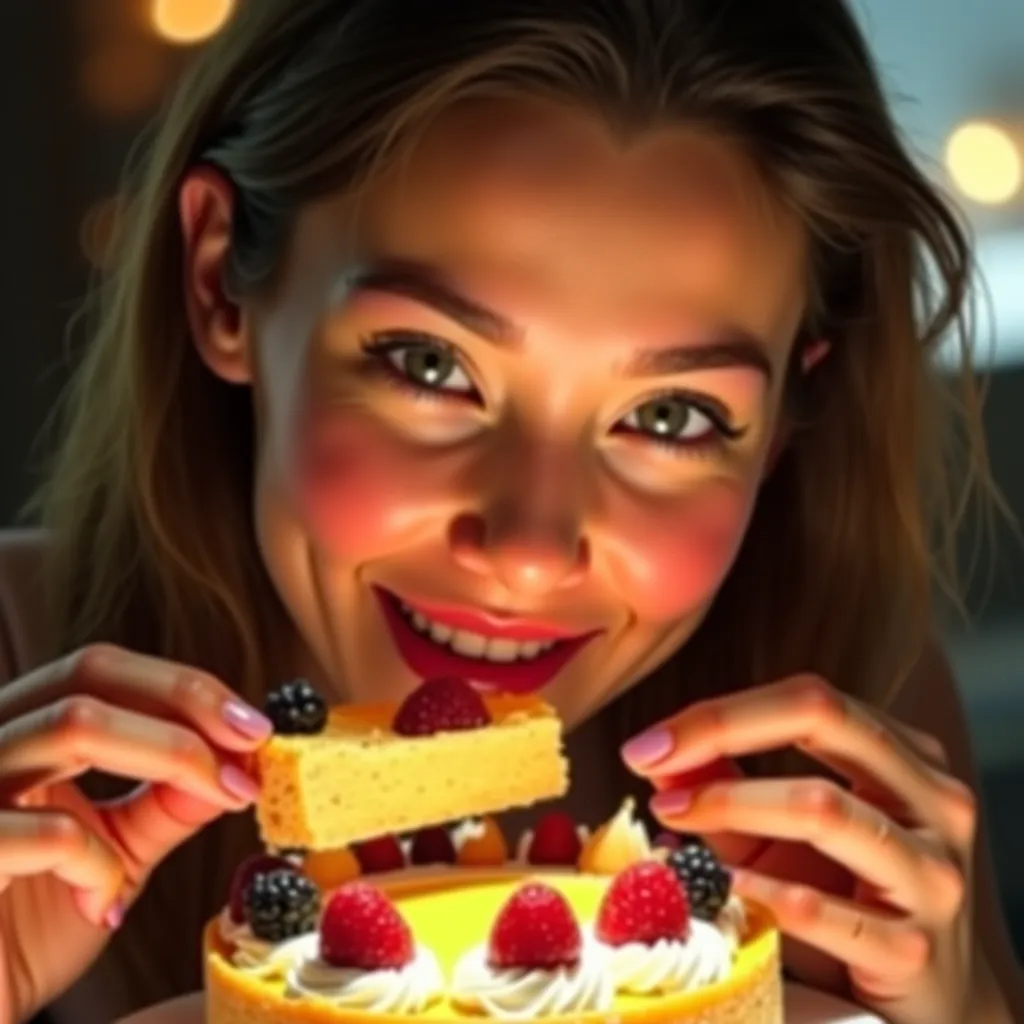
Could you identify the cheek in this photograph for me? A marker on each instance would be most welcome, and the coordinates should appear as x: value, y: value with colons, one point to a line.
x: 358, y: 493
x: 673, y: 558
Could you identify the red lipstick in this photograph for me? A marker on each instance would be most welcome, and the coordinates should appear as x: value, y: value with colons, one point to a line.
x: 427, y: 659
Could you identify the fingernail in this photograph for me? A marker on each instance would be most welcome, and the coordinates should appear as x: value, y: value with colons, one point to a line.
x: 246, y: 720
x: 238, y: 784
x: 648, y: 748
x: 114, y: 916
x: 672, y: 802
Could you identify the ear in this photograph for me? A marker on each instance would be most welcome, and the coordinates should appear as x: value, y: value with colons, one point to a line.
x: 813, y: 353
x: 219, y: 330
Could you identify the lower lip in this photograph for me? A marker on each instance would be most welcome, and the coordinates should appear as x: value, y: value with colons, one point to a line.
x: 429, y: 660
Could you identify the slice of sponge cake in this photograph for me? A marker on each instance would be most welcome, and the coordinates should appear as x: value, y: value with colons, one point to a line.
x: 361, y: 777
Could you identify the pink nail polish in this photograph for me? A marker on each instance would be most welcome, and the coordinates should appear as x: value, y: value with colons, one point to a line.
x: 114, y: 916
x: 672, y: 802
x: 246, y: 720
x: 238, y: 784
x: 648, y: 748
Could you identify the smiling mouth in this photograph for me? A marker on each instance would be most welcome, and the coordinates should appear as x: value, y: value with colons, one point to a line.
x: 518, y: 657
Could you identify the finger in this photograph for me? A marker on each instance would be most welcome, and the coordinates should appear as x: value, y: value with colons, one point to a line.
x: 149, y: 686
x: 152, y: 821
x: 869, y: 941
x: 804, y: 712
x: 56, y: 842
x: 77, y: 734
x: 900, y: 863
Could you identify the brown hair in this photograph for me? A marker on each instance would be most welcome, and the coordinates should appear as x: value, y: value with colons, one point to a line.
x: 148, y: 500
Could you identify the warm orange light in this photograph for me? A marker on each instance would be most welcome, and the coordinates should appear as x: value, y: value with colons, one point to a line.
x: 186, y: 22
x: 124, y: 77
x: 985, y: 163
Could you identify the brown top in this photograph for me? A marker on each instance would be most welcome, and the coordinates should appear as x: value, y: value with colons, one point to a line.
x: 155, y: 955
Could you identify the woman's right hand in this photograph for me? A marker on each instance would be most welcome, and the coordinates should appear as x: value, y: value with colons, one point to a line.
x: 69, y: 867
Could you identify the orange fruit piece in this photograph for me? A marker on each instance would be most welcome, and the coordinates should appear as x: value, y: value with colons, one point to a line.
x: 482, y: 844
x: 330, y: 869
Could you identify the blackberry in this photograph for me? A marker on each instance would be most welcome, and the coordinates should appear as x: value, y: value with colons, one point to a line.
x: 296, y: 708
x: 281, y: 904
x: 707, y: 883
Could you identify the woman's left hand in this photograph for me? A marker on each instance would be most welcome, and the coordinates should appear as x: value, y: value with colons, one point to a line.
x: 898, y: 918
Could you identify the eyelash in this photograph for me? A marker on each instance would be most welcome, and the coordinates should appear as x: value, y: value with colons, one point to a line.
x: 378, y: 348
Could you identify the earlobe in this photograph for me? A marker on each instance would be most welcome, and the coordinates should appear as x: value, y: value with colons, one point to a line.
x: 814, y: 352
x: 219, y: 329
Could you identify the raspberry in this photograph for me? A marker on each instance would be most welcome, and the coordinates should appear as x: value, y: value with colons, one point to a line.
x: 281, y: 904
x: 381, y: 854
x: 706, y: 882
x: 361, y: 928
x: 260, y: 863
x: 555, y: 841
x: 296, y: 708
x: 446, y: 704
x: 644, y: 903
x: 432, y: 846
x: 535, y: 928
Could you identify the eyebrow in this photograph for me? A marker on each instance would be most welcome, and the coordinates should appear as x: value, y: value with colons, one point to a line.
x: 733, y: 347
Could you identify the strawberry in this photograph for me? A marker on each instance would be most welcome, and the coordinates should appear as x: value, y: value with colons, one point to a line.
x: 432, y: 846
x: 644, y: 903
x: 555, y: 841
x: 445, y: 704
x: 258, y: 864
x: 381, y: 854
x: 535, y: 928
x: 360, y: 928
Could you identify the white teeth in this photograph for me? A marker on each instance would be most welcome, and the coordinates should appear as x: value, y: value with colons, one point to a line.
x: 442, y: 634
x: 473, y: 645
x: 502, y: 650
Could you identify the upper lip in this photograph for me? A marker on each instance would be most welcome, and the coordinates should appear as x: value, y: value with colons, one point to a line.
x: 495, y: 624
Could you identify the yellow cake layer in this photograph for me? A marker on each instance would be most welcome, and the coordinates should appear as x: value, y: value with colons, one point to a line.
x: 453, y: 913
x: 357, y: 779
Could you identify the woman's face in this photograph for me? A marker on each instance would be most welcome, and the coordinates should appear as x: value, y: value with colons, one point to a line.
x: 515, y: 416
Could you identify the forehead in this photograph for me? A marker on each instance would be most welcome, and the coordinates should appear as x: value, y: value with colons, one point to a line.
x: 540, y: 199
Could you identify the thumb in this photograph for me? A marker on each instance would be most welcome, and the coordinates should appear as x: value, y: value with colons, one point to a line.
x: 151, y: 821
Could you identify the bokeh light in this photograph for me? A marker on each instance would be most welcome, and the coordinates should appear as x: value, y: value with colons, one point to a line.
x: 985, y: 163
x: 186, y: 22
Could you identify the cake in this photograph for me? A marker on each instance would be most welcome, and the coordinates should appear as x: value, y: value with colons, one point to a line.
x: 329, y: 778
x: 445, y: 925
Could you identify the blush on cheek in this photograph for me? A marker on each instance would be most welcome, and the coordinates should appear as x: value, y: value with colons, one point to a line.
x: 677, y: 556
x: 352, y: 487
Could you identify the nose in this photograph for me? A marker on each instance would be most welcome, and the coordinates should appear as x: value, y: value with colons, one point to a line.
x: 527, y: 533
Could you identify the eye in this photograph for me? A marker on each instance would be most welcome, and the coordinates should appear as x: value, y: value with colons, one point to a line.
x: 679, y: 420
x: 423, y: 363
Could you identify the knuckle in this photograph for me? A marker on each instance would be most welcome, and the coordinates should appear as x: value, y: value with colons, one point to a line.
x: 78, y: 718
x: 913, y: 950
x: 948, y: 889
x: 802, y: 905
x: 821, y: 701
x: 186, y: 748
x: 962, y: 809
x: 191, y: 689
x: 62, y: 832
x: 822, y: 801
x: 91, y: 661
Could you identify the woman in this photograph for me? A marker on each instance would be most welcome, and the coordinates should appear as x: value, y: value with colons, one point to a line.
x: 593, y: 320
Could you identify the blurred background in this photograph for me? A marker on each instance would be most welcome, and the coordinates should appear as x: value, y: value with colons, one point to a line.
x: 81, y: 76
